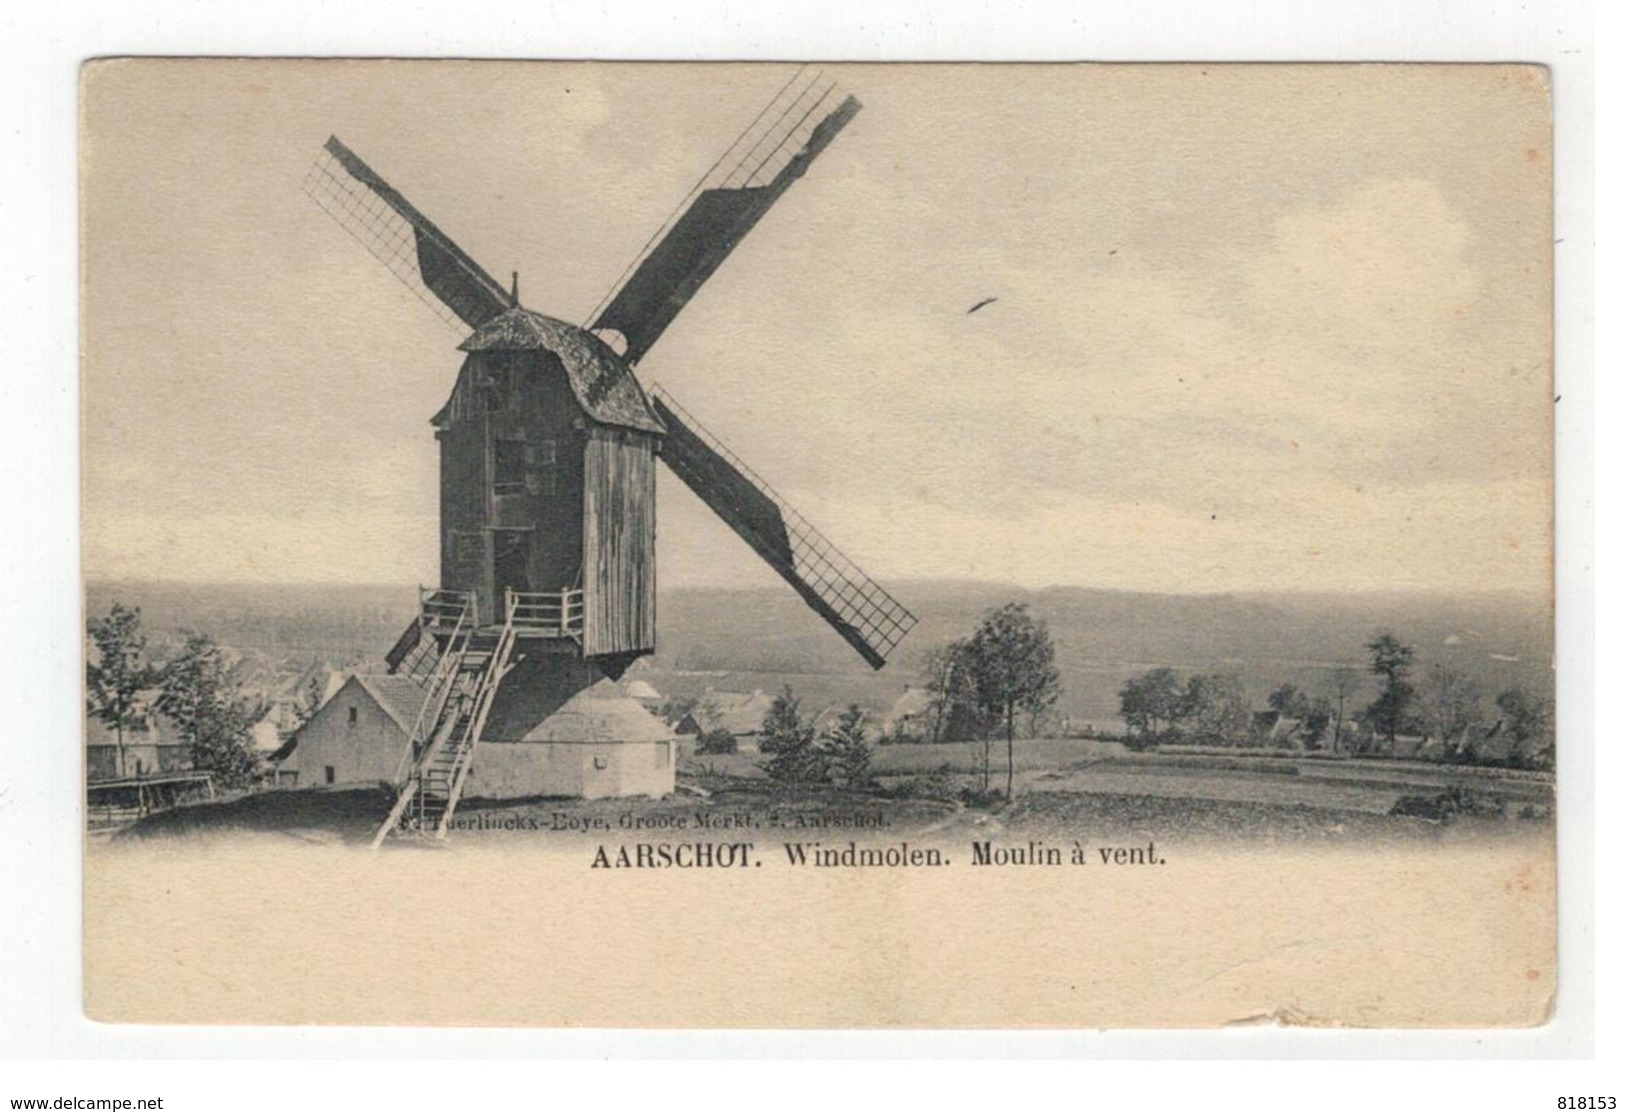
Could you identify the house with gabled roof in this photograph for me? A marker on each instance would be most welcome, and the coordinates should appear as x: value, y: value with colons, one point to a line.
x: 358, y: 736
x: 738, y: 713
x: 152, y: 745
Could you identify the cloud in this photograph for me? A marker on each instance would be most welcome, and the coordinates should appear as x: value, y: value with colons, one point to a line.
x: 1383, y: 264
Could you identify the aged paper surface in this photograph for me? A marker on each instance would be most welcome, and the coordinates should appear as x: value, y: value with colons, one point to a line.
x: 1177, y: 438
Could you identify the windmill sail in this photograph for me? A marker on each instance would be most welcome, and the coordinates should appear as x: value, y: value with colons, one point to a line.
x: 422, y: 256
x: 860, y: 610
x: 763, y: 162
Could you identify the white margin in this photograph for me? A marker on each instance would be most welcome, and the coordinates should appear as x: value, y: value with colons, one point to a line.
x: 39, y: 836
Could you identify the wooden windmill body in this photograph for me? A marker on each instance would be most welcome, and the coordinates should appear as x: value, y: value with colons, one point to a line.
x: 548, y: 445
x: 547, y: 482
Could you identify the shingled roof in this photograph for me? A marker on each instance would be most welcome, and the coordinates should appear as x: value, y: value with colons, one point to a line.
x: 601, y: 381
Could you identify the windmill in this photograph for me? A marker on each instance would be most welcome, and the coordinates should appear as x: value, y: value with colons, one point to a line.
x: 548, y: 445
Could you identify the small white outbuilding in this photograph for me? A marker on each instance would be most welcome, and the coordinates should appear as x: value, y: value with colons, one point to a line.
x: 358, y: 736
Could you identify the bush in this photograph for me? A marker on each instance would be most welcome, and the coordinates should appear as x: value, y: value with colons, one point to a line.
x: 1446, y: 805
x: 939, y: 784
x: 846, y: 749
x: 716, y: 742
x: 803, y: 763
x: 788, y: 744
x: 984, y: 799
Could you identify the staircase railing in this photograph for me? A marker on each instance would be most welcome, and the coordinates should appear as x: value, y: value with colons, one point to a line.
x: 435, y: 609
x: 485, y: 695
x: 441, y: 682
x: 437, y: 605
x: 444, y: 739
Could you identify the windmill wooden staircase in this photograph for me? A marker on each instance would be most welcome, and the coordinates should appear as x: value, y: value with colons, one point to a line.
x: 468, y: 667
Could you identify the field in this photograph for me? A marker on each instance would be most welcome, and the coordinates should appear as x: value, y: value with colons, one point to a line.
x: 1079, y: 765
x: 1063, y: 788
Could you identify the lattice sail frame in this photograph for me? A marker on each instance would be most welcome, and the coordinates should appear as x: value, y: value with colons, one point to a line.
x: 772, y: 152
x: 408, y: 243
x: 860, y: 609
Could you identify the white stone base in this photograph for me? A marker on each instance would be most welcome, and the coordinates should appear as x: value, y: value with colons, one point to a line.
x: 573, y: 769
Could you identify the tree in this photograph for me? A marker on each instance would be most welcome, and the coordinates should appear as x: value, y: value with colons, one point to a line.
x: 308, y: 702
x: 790, y: 744
x: 1345, y: 683
x: 1288, y: 701
x: 1450, y: 706
x: 114, y: 683
x: 953, y: 713
x: 781, y: 726
x: 1218, y: 707
x: 1012, y: 666
x: 1390, y: 660
x: 716, y: 742
x: 846, y: 748
x: 1314, y: 714
x: 1152, y: 703
x: 1527, y: 719
x: 202, y: 697
x: 676, y: 707
x: 1316, y: 717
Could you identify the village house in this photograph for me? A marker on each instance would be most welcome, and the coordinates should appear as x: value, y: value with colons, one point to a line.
x: 151, y: 771
x: 687, y: 724
x: 828, y: 718
x: 151, y: 746
x: 1276, y: 730
x: 643, y: 693
x: 741, y: 715
x: 358, y: 736
x: 910, y: 717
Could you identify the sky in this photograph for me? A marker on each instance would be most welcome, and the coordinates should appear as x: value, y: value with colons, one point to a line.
x: 1258, y: 327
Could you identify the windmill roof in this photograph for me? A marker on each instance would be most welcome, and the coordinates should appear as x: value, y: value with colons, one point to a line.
x: 601, y: 381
